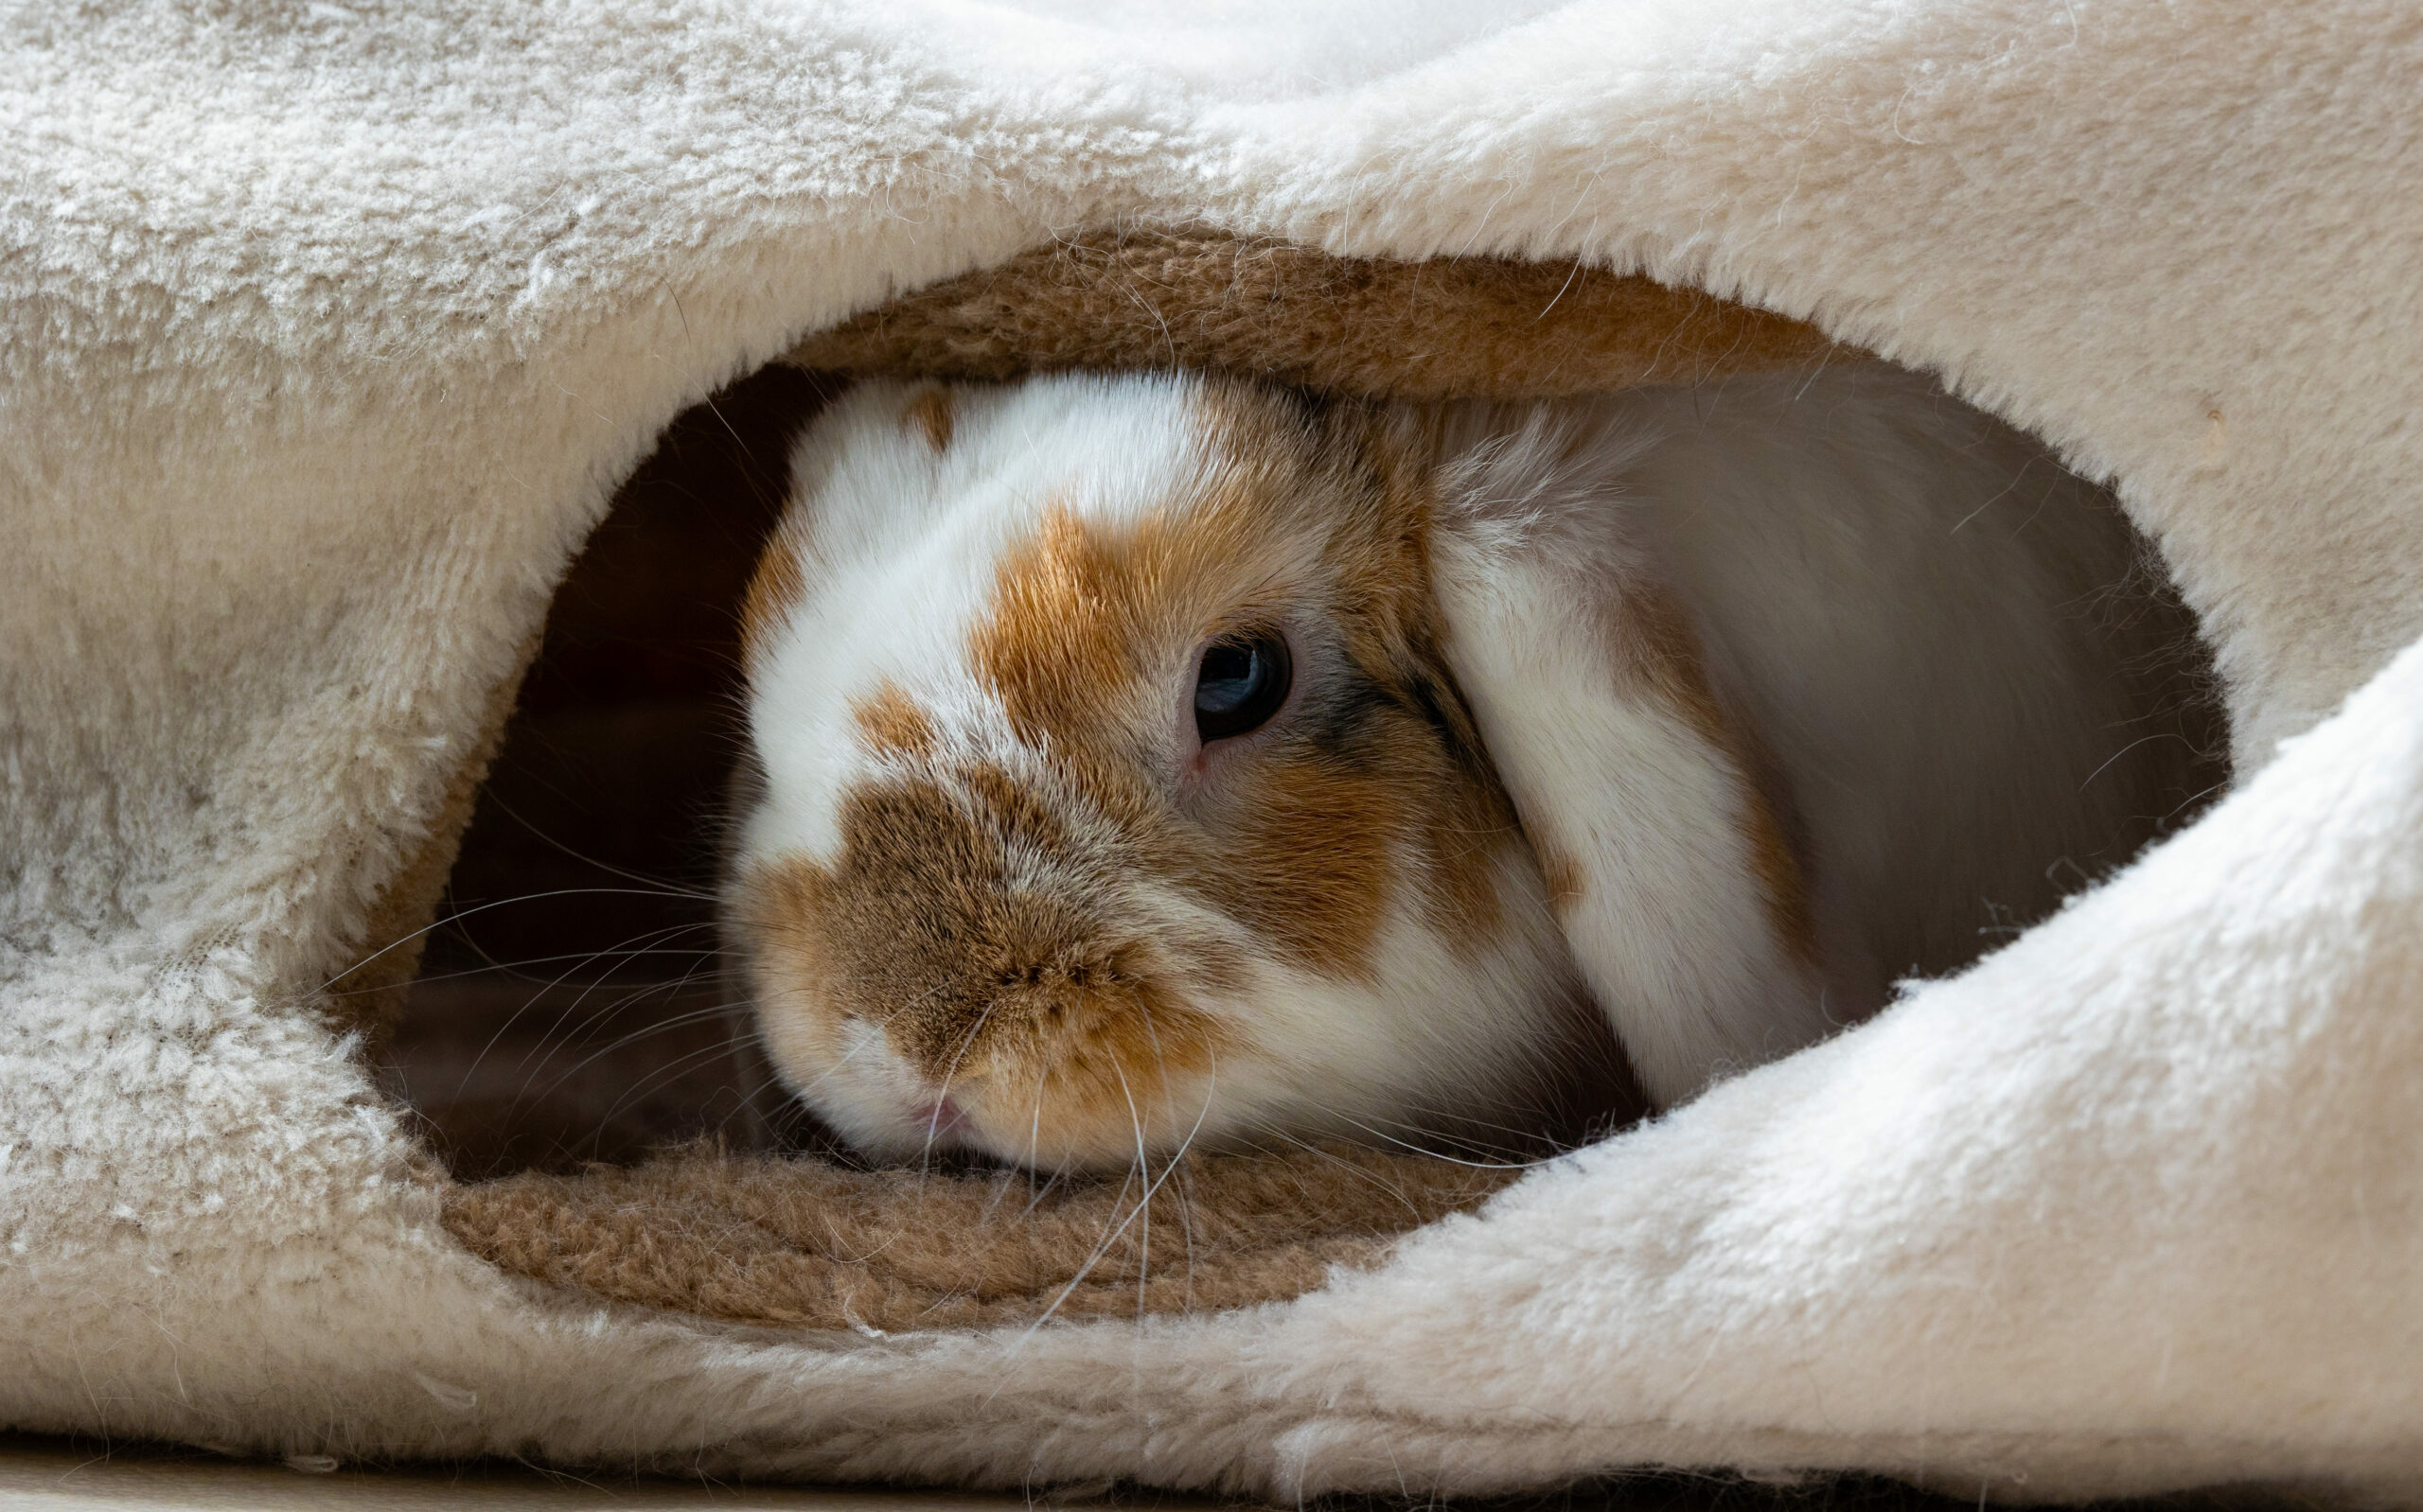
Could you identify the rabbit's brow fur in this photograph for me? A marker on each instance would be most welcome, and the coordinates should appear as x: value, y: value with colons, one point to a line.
x: 1714, y: 710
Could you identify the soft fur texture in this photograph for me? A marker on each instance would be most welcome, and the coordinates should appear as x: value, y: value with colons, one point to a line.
x: 995, y: 890
x: 328, y: 328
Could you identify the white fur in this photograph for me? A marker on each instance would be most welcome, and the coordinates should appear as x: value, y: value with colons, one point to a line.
x: 1671, y: 928
x: 327, y: 327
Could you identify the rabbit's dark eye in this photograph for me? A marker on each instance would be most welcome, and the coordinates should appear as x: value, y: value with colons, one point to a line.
x: 1241, y: 684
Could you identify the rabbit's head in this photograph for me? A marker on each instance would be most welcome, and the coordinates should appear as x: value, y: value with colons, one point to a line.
x: 1159, y: 759
x: 1111, y: 791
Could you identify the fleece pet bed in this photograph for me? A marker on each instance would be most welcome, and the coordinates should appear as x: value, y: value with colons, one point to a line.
x: 331, y: 328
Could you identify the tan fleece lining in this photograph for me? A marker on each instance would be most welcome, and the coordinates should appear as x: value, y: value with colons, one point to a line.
x: 802, y: 1244
x: 1464, y: 327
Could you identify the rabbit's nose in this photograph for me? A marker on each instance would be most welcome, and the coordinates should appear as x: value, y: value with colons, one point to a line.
x: 939, y: 1115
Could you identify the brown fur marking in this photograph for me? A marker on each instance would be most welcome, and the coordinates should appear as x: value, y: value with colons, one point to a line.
x: 1021, y: 999
x: 1566, y: 879
x: 935, y: 412
x: 892, y: 724
x: 1069, y: 608
x: 1657, y: 644
x: 776, y: 590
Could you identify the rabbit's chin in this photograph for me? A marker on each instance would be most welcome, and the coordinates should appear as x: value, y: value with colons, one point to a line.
x: 890, y: 1113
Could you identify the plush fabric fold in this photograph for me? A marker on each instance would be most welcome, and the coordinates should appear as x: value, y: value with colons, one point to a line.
x: 326, y: 330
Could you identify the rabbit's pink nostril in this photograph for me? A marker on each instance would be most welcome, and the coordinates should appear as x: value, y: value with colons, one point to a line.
x: 941, y: 1116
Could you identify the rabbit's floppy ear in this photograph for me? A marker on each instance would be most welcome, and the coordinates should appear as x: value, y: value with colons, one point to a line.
x: 1667, y: 852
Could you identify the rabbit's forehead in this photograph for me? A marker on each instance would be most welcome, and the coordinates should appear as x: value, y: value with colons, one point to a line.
x: 906, y: 472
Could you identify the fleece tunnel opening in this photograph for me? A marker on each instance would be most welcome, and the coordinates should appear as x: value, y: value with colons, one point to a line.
x: 573, y: 1005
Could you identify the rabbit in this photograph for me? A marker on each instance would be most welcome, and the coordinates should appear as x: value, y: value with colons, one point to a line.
x: 1154, y: 761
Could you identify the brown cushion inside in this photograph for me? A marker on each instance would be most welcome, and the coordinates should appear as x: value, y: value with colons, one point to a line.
x: 803, y: 1243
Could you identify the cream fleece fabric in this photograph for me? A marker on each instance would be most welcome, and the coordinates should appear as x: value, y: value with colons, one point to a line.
x: 328, y: 328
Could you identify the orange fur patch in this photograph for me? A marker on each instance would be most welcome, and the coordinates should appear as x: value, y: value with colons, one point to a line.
x: 935, y: 412
x: 892, y: 724
x: 1068, y: 610
x: 1312, y: 873
x: 1656, y: 642
x: 776, y: 590
x: 1396, y: 636
x: 1563, y: 875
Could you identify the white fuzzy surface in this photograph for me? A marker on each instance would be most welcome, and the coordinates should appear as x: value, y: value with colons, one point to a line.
x: 326, y: 328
